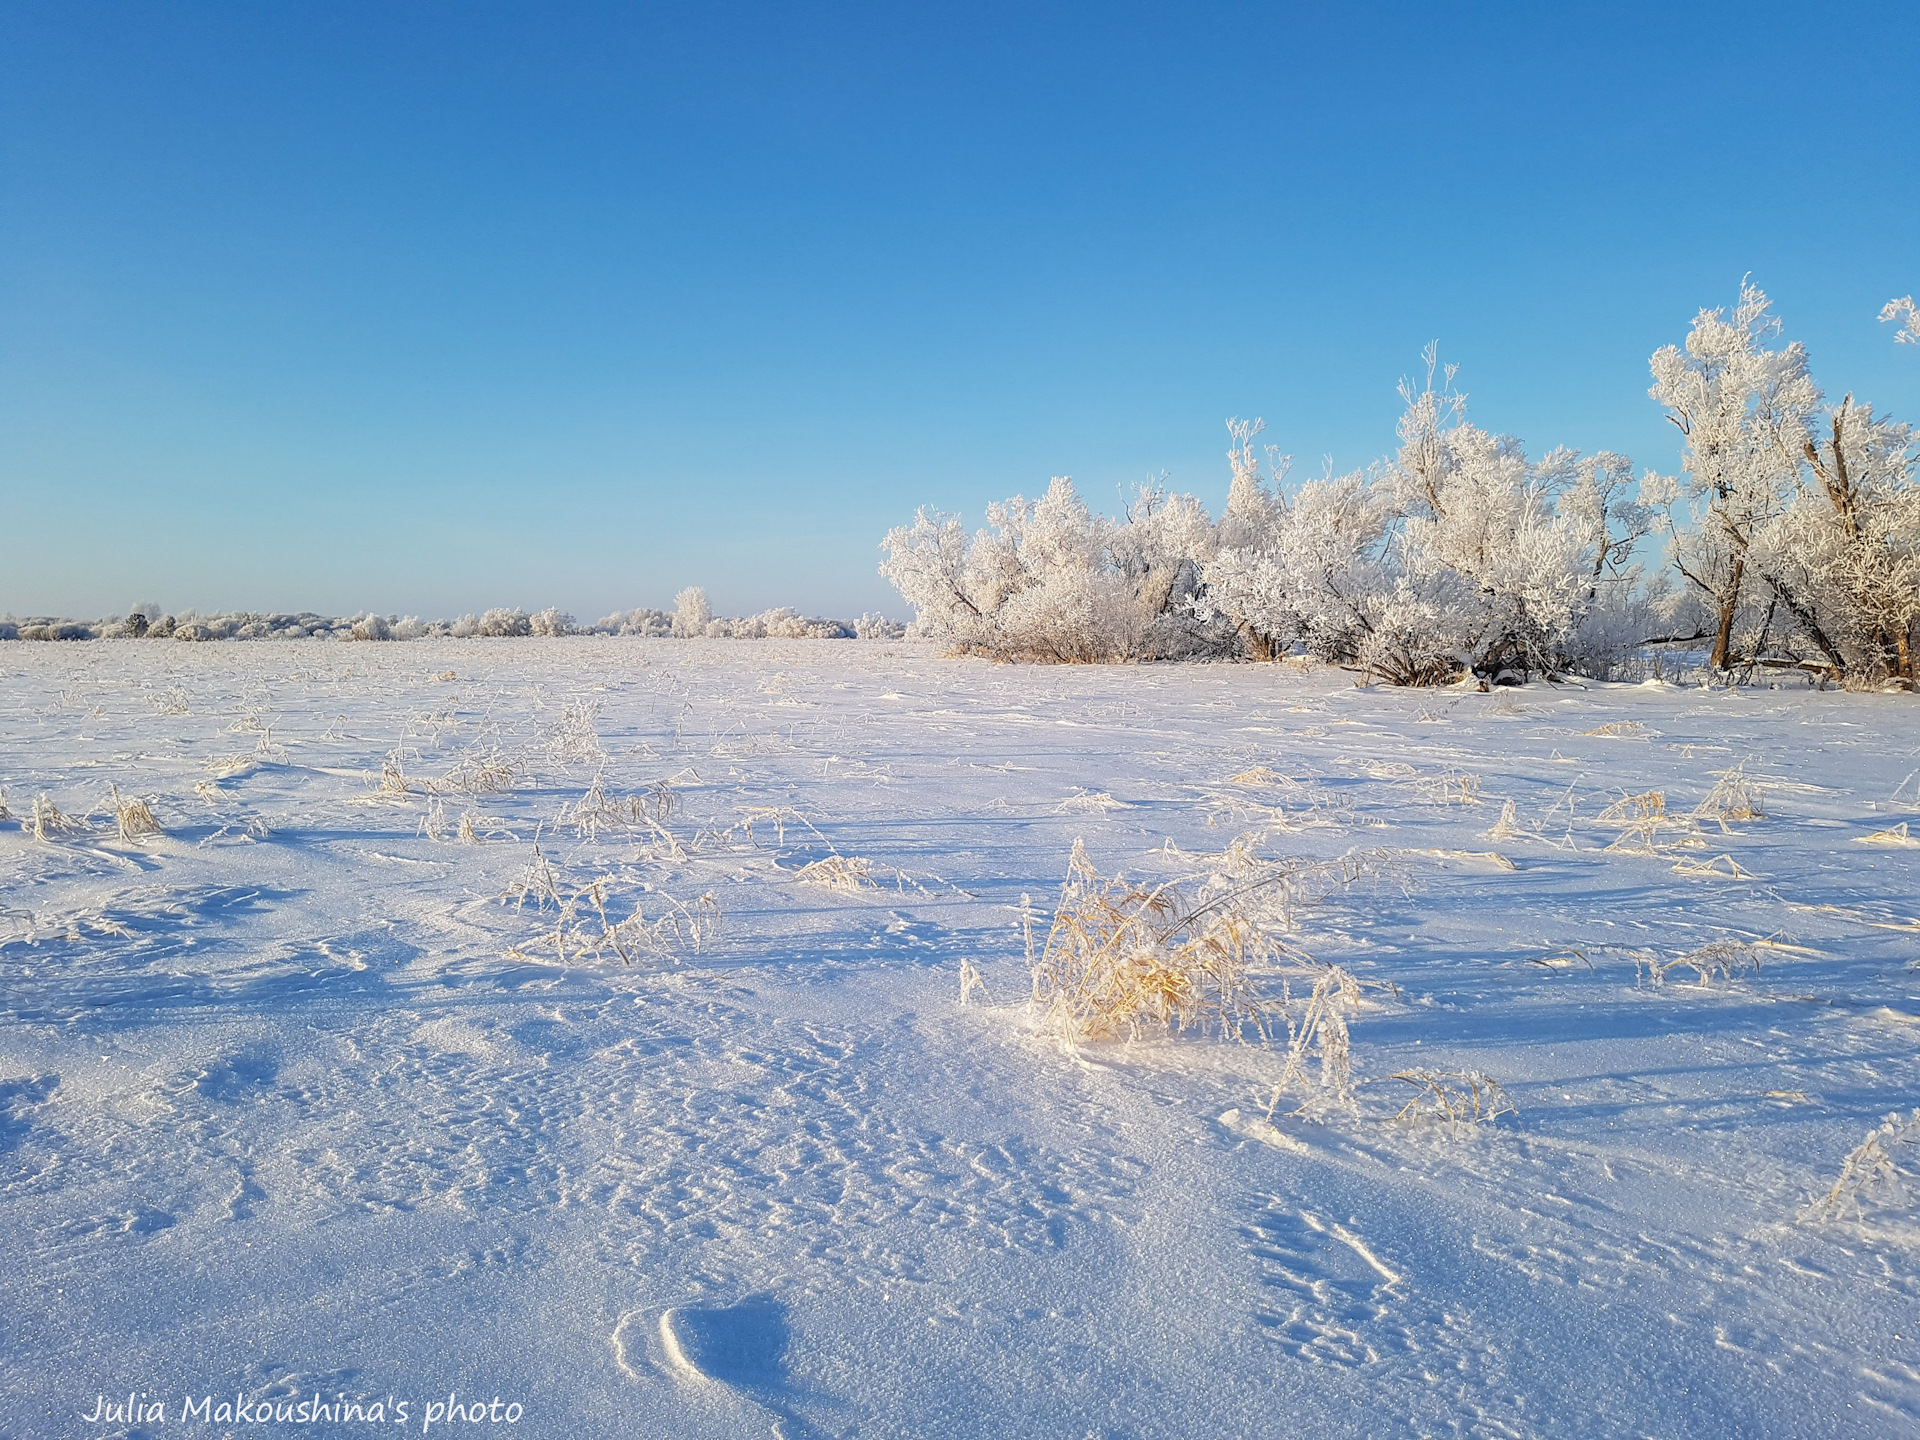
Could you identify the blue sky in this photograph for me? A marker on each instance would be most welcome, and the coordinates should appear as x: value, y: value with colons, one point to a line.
x: 429, y: 307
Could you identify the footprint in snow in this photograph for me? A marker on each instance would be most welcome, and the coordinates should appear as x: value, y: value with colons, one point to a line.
x: 735, y: 1353
x: 742, y: 1345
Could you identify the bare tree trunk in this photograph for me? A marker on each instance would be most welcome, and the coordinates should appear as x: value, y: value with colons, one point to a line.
x: 1729, y: 603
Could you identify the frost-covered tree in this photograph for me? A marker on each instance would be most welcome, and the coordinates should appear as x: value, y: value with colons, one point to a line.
x: 1842, y: 560
x: 1461, y: 555
x: 1743, y: 407
x: 1797, y: 528
x: 1051, y: 580
x: 691, y: 612
x: 1906, y: 315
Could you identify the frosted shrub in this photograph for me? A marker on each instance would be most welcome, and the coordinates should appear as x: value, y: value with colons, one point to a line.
x: 371, y: 627
x: 691, y: 612
x: 1461, y: 556
x: 1049, y: 580
x: 505, y: 623
x: 875, y: 626
x: 656, y: 623
x: 551, y: 623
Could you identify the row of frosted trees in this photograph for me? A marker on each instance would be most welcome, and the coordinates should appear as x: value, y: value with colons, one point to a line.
x: 1791, y: 539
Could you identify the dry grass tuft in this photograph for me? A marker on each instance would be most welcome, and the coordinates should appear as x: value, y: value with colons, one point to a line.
x: 583, y: 929
x: 477, y: 774
x: 393, y: 782
x: 1735, y: 797
x: 1123, y: 957
x: 576, y: 738
x: 47, y: 821
x: 1620, y: 730
x: 1640, y: 818
x: 1897, y: 837
x: 1451, y: 787
x: 1321, y: 1032
x: 1507, y: 827
x: 597, y: 810
x: 848, y: 874
x: 1258, y: 775
x: 1725, y: 958
x: 1461, y: 1097
x: 1720, y: 867
x: 133, y: 816
x: 1872, y: 1176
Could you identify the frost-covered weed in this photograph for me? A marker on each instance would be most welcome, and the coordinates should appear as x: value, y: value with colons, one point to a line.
x: 583, y: 923
x: 1876, y: 1175
x: 133, y: 817
x: 1124, y: 957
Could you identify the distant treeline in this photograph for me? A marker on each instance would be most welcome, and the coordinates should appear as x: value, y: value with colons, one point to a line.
x: 692, y: 617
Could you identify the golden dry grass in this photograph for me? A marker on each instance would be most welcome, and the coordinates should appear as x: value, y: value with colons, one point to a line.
x: 848, y: 874
x: 1640, y: 818
x: 1720, y: 867
x: 1459, y: 1097
x: 133, y: 817
x: 47, y: 821
x: 1258, y: 775
x: 1734, y: 797
x: 1122, y: 957
x: 1897, y: 837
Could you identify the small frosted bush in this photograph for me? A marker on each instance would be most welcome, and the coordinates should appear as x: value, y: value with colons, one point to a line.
x: 875, y: 626
x: 496, y: 623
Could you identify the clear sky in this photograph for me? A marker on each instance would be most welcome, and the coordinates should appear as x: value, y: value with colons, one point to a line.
x: 429, y: 307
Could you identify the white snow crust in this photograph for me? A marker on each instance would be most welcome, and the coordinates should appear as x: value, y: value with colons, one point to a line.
x: 293, y: 1104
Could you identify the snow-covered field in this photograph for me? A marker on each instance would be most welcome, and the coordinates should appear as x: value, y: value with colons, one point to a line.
x: 294, y: 1103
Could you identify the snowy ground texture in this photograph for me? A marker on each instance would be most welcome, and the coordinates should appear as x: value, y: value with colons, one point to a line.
x: 292, y: 1103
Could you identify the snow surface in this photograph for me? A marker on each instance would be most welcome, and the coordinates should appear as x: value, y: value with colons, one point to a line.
x: 280, y: 1113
